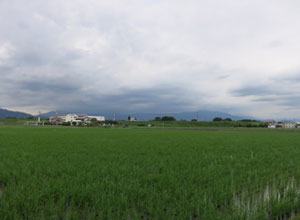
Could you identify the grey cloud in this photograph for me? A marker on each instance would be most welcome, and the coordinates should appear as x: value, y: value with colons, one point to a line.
x: 149, y: 56
x: 277, y: 92
x: 252, y: 91
x: 266, y: 99
x: 292, y: 101
x: 271, y: 88
x: 163, y: 98
x: 223, y: 77
x: 30, y: 58
x: 71, y: 96
x: 33, y: 56
x: 57, y: 86
x: 289, y: 78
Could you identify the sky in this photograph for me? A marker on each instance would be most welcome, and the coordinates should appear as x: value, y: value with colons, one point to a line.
x: 237, y: 56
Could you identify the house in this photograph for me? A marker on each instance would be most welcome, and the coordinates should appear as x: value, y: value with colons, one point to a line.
x: 279, y: 124
x: 73, y: 118
x: 286, y: 124
x: 272, y: 125
x: 290, y: 124
x: 58, y: 119
x: 131, y: 118
x: 268, y: 122
x: 82, y: 117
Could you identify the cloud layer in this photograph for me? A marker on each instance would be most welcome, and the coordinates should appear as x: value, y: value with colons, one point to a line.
x: 169, y: 55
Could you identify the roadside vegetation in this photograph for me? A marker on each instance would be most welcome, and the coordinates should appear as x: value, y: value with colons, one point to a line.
x: 166, y: 121
x: 172, y: 122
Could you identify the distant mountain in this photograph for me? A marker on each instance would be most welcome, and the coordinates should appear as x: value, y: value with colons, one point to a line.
x: 6, y: 113
x: 202, y: 115
x: 47, y: 115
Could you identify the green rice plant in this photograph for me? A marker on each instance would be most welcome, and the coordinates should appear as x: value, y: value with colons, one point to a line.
x: 97, y: 173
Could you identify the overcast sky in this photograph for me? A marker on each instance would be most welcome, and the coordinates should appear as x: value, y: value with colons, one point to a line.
x: 237, y: 56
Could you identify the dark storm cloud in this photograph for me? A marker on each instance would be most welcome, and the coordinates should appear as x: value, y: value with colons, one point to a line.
x: 167, y: 99
x: 40, y: 91
x: 280, y: 86
x: 282, y: 91
x: 71, y: 96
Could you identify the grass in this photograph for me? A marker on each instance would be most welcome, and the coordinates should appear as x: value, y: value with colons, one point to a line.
x: 98, y: 173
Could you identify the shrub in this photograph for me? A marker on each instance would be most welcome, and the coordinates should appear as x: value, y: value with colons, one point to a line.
x: 168, y: 118
x: 217, y: 119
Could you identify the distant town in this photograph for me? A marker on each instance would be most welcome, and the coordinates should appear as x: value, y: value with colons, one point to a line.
x: 74, y: 119
x: 287, y: 124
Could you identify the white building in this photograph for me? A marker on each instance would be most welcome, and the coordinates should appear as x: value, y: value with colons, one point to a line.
x: 98, y: 118
x: 77, y: 118
x: 272, y: 126
x: 71, y: 117
x: 289, y: 124
x: 131, y: 118
x: 58, y: 119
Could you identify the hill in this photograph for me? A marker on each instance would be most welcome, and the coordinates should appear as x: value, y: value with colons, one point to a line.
x: 4, y: 113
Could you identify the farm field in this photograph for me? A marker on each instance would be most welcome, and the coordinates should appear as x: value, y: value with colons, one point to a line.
x: 116, y: 173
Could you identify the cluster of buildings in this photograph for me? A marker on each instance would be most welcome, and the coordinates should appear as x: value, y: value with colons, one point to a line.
x: 289, y: 124
x: 130, y: 118
x: 74, y: 119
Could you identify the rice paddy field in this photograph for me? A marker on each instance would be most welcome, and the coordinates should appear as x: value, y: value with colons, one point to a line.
x: 117, y: 173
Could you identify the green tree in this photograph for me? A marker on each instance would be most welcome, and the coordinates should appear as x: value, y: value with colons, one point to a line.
x: 94, y: 121
x: 168, y: 118
x: 217, y: 119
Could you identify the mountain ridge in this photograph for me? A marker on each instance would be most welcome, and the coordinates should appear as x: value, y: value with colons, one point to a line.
x: 201, y: 115
x: 4, y: 113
